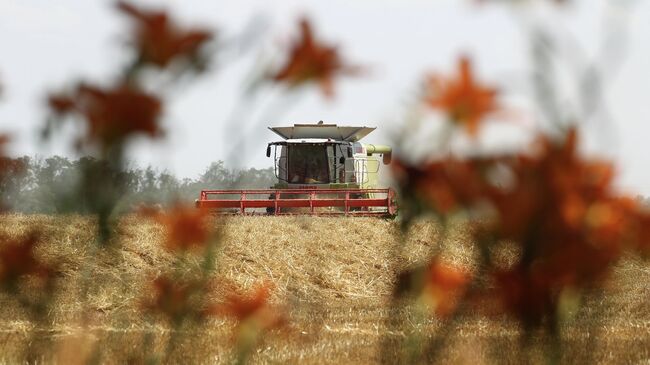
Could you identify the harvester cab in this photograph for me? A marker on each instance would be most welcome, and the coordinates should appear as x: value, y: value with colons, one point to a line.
x: 326, y: 156
x: 322, y: 169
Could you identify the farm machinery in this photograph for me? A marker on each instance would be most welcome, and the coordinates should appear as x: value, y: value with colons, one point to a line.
x: 322, y: 169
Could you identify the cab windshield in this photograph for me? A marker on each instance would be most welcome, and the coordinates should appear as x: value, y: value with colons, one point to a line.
x: 308, y: 164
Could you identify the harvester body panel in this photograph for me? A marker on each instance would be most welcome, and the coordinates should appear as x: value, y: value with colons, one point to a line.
x: 323, y: 131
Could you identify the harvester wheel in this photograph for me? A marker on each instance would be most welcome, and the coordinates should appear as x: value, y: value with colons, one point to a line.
x: 357, y: 196
x: 271, y: 210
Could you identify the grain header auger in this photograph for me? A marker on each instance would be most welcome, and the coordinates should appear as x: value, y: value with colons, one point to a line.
x: 322, y: 169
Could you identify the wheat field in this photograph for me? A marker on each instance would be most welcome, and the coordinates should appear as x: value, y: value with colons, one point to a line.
x: 332, y: 277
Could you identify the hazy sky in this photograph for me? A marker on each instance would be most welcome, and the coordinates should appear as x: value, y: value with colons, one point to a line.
x: 48, y: 44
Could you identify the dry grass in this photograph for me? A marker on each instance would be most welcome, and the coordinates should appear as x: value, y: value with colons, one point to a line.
x: 332, y: 275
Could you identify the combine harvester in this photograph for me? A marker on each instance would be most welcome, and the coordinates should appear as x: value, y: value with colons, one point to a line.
x: 322, y: 169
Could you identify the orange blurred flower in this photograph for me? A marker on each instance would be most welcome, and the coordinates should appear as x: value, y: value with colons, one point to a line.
x: 570, y: 225
x: 17, y: 259
x: 641, y: 231
x: 112, y: 115
x: 527, y: 296
x: 251, y: 307
x: 555, y: 188
x: 443, y: 186
x: 60, y: 104
x: 159, y: 41
x: 254, y: 316
x: 444, y: 287
x: 174, y: 299
x: 463, y: 100
x: 187, y: 227
x: 438, y: 286
x: 558, y: 207
x: 311, y: 61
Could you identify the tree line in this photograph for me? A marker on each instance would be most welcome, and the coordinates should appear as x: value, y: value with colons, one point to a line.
x: 51, y: 185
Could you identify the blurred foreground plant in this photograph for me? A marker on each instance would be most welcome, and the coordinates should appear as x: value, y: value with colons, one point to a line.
x: 186, y: 294
x: 24, y: 277
x: 18, y: 262
x: 9, y: 169
x: 159, y: 42
x: 310, y: 61
x: 31, y: 283
x: 558, y: 208
x: 255, y: 316
x: 186, y: 227
x: 462, y: 99
x: 114, y: 115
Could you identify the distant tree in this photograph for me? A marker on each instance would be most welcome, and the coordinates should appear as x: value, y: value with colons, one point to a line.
x: 13, y: 177
x: 217, y: 175
x: 51, y: 185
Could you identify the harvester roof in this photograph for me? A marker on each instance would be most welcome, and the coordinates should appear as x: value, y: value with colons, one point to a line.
x: 323, y: 131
